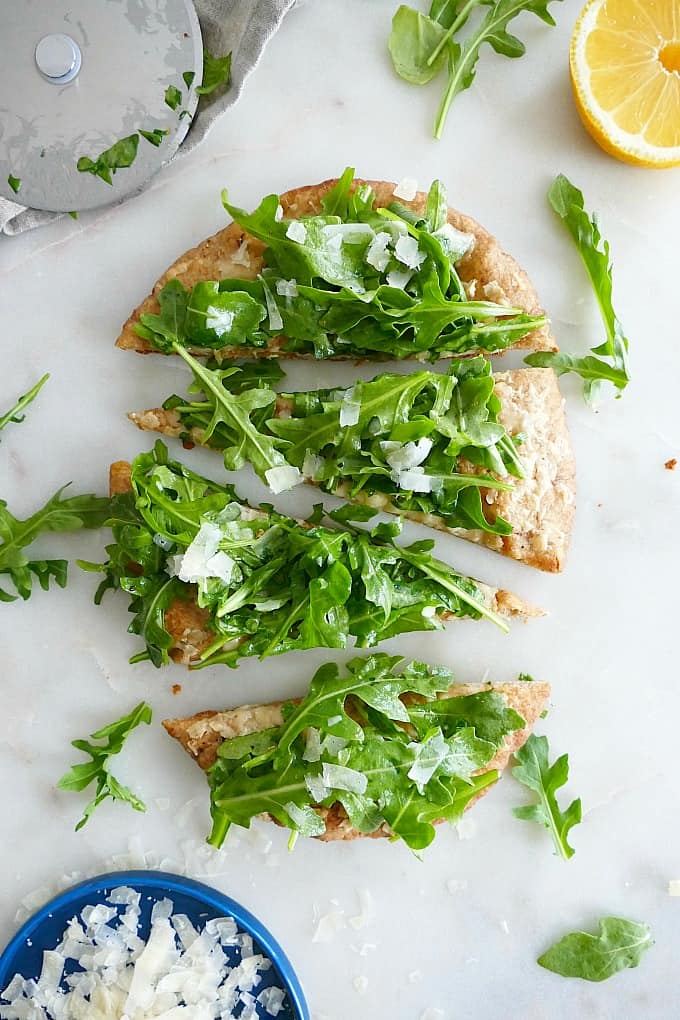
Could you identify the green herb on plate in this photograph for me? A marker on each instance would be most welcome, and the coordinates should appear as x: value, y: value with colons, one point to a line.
x: 173, y: 97
x: 14, y: 414
x: 535, y: 772
x: 619, y: 944
x: 421, y: 45
x: 188, y: 77
x: 120, y: 155
x: 352, y: 281
x: 155, y: 137
x: 79, y: 777
x: 58, y: 514
x: 352, y: 741
x: 269, y: 584
x: 609, y: 361
x: 14, y: 183
x: 216, y: 72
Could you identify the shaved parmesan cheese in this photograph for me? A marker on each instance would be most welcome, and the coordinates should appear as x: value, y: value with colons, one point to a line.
x: 179, y: 973
x: 278, y: 215
x: 414, y: 480
x: 455, y: 242
x: 317, y: 788
x: 674, y: 887
x: 349, y: 233
x: 282, y: 478
x: 297, y: 231
x: 193, y: 566
x: 350, y: 409
x: 366, y: 908
x: 313, y: 465
x: 219, y: 319
x: 428, y: 756
x: 406, y: 189
x: 377, y: 254
x: 312, y: 751
x: 407, y: 251
x: 221, y: 566
x: 287, y: 288
x: 428, y: 612
x: 241, y: 257
x: 360, y: 983
x: 403, y: 457
x: 399, y: 277
x: 327, y: 926
x: 275, y: 320
x: 339, y: 777
x: 432, y: 1014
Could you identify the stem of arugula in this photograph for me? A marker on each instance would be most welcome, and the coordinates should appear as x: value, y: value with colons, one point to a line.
x: 460, y: 20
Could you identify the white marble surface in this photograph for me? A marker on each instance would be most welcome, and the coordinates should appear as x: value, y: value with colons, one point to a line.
x: 323, y: 97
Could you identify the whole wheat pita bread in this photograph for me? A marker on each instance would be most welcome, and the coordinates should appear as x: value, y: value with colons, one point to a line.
x: 201, y: 735
x: 486, y: 270
x: 540, y: 507
x: 188, y: 625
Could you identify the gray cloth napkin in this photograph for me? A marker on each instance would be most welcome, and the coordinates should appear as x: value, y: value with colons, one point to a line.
x: 243, y: 27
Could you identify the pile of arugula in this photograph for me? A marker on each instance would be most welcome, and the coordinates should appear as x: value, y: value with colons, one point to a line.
x: 422, y: 45
x: 283, y: 585
x: 353, y: 741
x: 351, y: 281
x: 442, y: 429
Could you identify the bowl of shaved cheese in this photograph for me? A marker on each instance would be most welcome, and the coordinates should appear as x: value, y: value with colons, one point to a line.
x: 140, y: 944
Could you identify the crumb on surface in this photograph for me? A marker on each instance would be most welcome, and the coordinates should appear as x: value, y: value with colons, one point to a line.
x: 671, y: 464
x: 176, y: 688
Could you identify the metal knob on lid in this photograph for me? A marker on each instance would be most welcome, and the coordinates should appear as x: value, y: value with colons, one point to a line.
x: 58, y: 58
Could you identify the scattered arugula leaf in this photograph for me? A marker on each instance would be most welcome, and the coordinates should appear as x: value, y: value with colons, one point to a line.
x: 120, y: 155
x: 421, y: 45
x: 618, y: 944
x: 568, y: 203
x: 282, y: 585
x: 79, y: 777
x: 425, y: 442
x: 341, y: 745
x: 353, y: 281
x: 57, y: 515
x: 535, y: 772
x: 188, y: 77
x: 155, y: 137
x: 14, y: 414
x: 73, y: 214
x: 216, y: 72
x: 14, y: 183
x: 173, y: 97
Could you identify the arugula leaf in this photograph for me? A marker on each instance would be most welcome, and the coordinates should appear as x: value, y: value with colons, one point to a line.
x: 618, y: 944
x: 348, y: 742
x: 79, y: 777
x: 216, y: 72
x: 14, y: 414
x: 14, y: 183
x: 173, y: 97
x: 568, y: 203
x: 56, y: 515
x: 288, y: 586
x: 421, y: 45
x: 338, y: 284
x: 436, y: 424
x: 155, y: 136
x: 535, y: 772
x: 188, y: 77
x: 121, y: 154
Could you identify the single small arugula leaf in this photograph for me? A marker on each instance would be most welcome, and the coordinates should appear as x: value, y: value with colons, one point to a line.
x: 618, y: 944
x: 173, y: 97
x: 188, y: 77
x: 535, y: 772
x: 413, y: 38
x: 568, y: 203
x: 216, y: 72
x: 345, y: 743
x: 57, y: 515
x: 155, y: 136
x: 14, y: 414
x: 120, y: 155
x: 79, y: 777
x: 73, y: 214
x: 14, y: 183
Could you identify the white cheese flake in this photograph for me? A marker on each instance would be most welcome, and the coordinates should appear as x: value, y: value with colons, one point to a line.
x: 377, y: 254
x: 360, y: 983
x: 399, y: 278
x: 282, y: 477
x: 193, y: 566
x: 220, y: 320
x: 404, y: 456
x: 278, y: 215
x: 674, y: 887
x: 297, y: 232
x: 406, y: 189
x: 317, y: 788
x: 408, y: 252
x: 273, y: 313
x: 287, y: 288
x: 414, y: 480
x: 313, y: 465
x: 350, y: 408
x: 455, y: 242
x: 240, y: 256
x: 339, y: 777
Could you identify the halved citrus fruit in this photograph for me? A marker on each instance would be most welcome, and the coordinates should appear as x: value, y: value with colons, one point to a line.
x: 625, y: 69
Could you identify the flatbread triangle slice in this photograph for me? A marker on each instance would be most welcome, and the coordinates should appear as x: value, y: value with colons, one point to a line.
x: 540, y: 507
x: 187, y: 622
x: 486, y: 270
x: 201, y: 735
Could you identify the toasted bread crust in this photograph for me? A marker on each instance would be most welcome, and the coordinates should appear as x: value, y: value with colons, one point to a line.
x: 486, y: 270
x: 188, y: 624
x: 540, y: 507
x: 201, y: 735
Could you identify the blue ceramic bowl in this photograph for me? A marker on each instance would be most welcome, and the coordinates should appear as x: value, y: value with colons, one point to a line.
x: 23, y: 954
